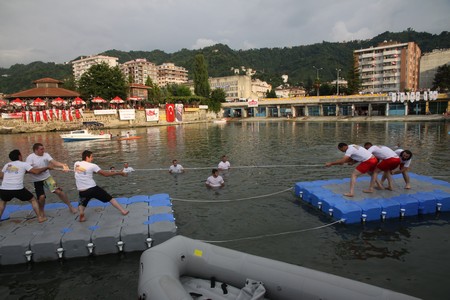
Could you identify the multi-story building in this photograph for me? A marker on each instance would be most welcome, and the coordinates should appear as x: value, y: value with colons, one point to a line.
x: 84, y: 63
x: 139, y: 70
x: 168, y: 73
x: 429, y: 63
x: 389, y: 67
x: 260, y: 88
x: 235, y: 87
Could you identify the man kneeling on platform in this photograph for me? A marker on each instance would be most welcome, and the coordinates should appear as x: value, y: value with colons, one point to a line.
x: 88, y: 189
x: 12, y: 186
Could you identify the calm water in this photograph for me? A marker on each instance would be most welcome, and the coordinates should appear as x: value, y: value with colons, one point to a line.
x: 409, y: 256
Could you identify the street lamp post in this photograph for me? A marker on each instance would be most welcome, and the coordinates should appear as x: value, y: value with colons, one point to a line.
x: 337, y: 82
x: 317, y: 78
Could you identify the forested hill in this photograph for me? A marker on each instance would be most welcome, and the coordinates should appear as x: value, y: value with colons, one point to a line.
x: 269, y: 63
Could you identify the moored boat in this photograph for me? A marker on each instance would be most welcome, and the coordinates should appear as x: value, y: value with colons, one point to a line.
x: 182, y: 268
x: 84, y: 135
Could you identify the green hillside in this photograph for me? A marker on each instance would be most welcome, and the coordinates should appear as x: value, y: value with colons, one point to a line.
x: 270, y: 63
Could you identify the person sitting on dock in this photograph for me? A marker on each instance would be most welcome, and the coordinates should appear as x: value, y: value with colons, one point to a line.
x: 215, y: 180
x: 12, y: 186
x: 39, y: 159
x: 176, y: 168
x: 355, y: 153
x: 403, y: 168
x: 88, y: 189
x: 224, y: 164
x: 127, y: 168
x: 388, y: 161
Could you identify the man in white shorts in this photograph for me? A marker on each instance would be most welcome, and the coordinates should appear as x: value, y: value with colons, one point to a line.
x: 88, y: 189
x: 12, y: 186
x: 40, y: 159
x: 215, y: 180
x: 176, y: 167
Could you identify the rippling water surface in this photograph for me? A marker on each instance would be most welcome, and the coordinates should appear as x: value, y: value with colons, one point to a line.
x: 409, y: 256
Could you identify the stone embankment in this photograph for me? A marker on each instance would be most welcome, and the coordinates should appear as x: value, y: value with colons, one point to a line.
x: 113, y: 122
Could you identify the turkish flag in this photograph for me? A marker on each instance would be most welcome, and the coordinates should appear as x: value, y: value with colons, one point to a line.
x: 170, y: 112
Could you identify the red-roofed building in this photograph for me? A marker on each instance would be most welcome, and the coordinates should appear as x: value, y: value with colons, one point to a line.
x: 46, y: 88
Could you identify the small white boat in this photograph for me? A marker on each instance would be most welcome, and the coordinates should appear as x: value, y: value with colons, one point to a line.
x: 182, y: 268
x: 220, y: 121
x: 84, y: 135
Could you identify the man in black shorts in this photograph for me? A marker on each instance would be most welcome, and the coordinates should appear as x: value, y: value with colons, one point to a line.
x: 12, y: 186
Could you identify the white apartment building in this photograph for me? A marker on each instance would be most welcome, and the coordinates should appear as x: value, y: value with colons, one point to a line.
x: 84, y: 63
x: 139, y: 70
x: 389, y: 67
x: 429, y: 64
x: 260, y: 88
x: 235, y: 87
x: 168, y: 73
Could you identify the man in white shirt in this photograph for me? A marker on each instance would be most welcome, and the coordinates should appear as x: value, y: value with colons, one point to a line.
x: 215, y: 180
x: 40, y: 159
x: 127, y: 168
x: 88, y: 189
x: 12, y: 186
x: 388, y: 160
x: 224, y: 164
x: 176, y: 168
x: 355, y: 153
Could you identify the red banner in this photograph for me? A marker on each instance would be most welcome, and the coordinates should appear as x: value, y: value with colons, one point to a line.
x: 170, y: 112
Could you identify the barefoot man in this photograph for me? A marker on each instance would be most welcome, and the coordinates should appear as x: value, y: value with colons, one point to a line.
x: 40, y: 159
x: 88, y: 189
x: 388, y: 161
x: 405, y: 162
x: 355, y: 153
x: 12, y: 185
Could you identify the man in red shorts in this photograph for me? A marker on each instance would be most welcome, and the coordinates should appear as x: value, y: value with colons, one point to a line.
x: 388, y: 161
x: 355, y: 153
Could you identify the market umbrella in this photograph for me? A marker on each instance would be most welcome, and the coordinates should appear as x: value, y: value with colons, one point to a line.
x: 38, y: 102
x: 117, y: 100
x: 59, y: 102
x: 17, y: 102
x: 98, y: 100
x: 78, y: 101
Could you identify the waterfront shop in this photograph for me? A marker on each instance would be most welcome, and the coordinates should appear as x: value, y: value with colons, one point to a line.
x: 394, y: 104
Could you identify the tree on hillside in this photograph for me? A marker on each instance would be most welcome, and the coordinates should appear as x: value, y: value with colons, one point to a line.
x: 178, y: 90
x: 353, y: 82
x: 442, y: 79
x: 153, y: 91
x: 271, y: 94
x: 200, y: 74
x: 103, y: 81
x: 218, y: 95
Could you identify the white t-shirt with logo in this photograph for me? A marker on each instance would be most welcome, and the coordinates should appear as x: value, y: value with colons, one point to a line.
x: 37, y: 161
x: 13, y: 173
x: 382, y: 152
x: 128, y: 170
x: 84, y: 174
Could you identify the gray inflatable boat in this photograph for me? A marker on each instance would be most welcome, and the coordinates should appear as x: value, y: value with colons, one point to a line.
x: 182, y: 268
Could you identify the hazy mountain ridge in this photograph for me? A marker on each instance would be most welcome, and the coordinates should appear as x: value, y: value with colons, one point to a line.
x: 269, y: 63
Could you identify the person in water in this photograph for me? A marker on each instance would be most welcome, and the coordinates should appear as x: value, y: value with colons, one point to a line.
x: 215, y: 180
x: 88, y: 189
x: 355, y: 153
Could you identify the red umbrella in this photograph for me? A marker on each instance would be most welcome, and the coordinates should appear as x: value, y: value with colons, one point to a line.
x: 17, y: 102
x: 38, y: 102
x: 98, y: 100
x: 134, y: 99
x: 117, y: 100
x: 3, y: 102
x: 78, y: 101
x: 59, y: 102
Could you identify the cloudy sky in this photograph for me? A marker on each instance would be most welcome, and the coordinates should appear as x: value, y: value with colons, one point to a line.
x: 61, y: 30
